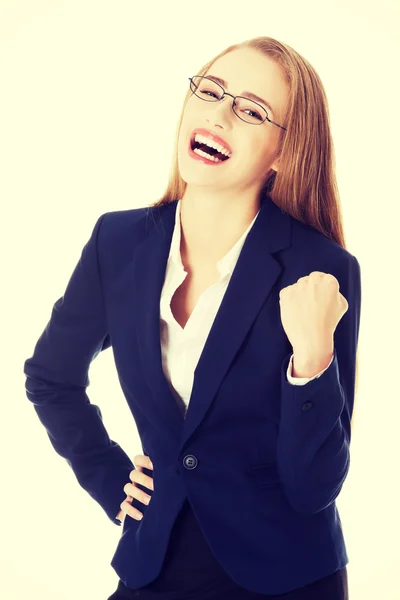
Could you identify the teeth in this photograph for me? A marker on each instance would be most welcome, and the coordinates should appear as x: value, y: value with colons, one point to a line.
x: 206, y: 155
x: 212, y: 144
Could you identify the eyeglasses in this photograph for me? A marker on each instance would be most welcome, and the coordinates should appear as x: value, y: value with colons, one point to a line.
x: 210, y: 91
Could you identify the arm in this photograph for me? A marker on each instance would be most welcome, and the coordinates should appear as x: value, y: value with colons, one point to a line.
x: 314, y: 433
x: 57, y: 378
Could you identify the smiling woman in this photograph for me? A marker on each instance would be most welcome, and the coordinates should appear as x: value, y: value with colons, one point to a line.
x: 247, y: 459
x: 252, y: 111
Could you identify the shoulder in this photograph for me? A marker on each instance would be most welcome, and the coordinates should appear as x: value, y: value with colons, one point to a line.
x: 314, y: 245
x: 311, y: 250
x: 127, y: 226
x: 117, y: 222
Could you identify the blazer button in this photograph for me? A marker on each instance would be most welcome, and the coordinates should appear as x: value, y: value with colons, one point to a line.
x: 190, y: 461
x: 306, y: 406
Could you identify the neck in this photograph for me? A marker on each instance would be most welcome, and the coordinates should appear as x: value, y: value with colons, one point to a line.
x: 210, y: 229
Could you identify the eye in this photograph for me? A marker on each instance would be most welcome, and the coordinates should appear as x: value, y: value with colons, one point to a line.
x: 209, y: 92
x: 254, y: 112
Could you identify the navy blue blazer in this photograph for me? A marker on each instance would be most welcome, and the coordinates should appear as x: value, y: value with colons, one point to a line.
x: 261, y: 461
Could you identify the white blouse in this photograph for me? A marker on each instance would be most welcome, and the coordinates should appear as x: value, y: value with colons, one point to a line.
x: 181, y: 348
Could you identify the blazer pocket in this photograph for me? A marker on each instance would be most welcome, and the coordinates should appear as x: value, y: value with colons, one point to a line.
x: 265, y: 475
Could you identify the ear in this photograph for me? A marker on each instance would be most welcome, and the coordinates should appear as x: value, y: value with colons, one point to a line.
x: 275, y: 164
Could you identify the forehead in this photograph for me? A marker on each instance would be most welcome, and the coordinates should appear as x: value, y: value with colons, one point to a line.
x: 249, y: 69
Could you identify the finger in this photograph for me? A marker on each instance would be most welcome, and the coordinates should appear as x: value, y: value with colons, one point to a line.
x: 130, y: 510
x: 141, y: 478
x: 143, y: 461
x: 137, y: 475
x: 135, y: 492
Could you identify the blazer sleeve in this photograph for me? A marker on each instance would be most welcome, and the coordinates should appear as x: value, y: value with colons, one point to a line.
x: 57, y: 378
x: 313, y: 449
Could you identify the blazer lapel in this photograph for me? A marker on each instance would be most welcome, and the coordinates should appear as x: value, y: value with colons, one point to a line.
x: 252, y: 280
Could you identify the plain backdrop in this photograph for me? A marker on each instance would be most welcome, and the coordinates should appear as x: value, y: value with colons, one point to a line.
x: 90, y: 95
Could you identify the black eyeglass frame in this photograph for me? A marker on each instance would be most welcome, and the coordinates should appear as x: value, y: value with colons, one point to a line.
x: 225, y: 93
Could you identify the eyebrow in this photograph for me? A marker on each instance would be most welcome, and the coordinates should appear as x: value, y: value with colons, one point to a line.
x: 245, y: 93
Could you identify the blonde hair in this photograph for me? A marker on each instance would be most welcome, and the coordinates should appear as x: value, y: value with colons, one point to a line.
x: 305, y: 185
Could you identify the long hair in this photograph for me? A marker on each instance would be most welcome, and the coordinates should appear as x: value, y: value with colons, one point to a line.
x: 305, y: 185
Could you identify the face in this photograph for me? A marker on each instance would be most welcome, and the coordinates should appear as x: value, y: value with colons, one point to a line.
x: 253, y: 147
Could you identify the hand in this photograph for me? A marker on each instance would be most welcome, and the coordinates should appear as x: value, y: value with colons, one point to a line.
x: 136, y: 476
x: 311, y: 308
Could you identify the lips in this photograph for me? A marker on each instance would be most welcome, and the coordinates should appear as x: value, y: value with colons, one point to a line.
x: 212, y: 136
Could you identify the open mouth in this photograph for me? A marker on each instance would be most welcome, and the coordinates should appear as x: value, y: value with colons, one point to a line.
x: 207, y: 150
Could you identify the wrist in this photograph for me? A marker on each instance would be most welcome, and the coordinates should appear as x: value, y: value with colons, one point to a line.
x: 308, y: 365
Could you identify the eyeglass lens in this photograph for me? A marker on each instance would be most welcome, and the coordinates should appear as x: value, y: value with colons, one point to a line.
x: 210, y: 91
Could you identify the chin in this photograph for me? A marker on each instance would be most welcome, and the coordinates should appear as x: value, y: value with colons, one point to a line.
x: 189, y: 169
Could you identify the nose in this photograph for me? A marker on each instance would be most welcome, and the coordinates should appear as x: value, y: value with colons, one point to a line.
x: 223, y: 110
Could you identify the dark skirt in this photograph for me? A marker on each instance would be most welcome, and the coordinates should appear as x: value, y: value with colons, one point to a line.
x: 191, y: 572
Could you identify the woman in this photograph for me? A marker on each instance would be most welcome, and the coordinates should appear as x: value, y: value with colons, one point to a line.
x: 233, y: 310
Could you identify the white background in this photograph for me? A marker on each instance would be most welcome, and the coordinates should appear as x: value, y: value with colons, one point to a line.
x: 83, y: 130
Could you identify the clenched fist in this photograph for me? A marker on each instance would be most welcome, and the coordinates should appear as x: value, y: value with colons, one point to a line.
x: 310, y: 309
